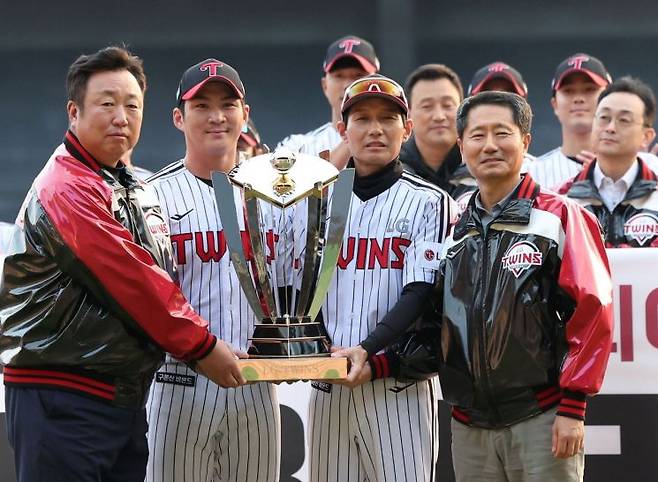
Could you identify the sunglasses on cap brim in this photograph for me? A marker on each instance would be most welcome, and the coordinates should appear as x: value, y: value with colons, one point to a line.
x: 376, y: 86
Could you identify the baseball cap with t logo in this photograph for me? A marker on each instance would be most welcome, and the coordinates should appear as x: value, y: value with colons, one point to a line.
x: 354, y: 48
x: 209, y: 70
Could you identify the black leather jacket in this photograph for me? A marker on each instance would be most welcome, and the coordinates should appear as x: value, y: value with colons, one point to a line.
x: 87, y: 301
x: 634, y: 221
x: 526, y: 310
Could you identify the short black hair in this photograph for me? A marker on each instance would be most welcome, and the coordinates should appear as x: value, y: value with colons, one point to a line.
x: 433, y: 72
x: 633, y: 85
x: 521, y: 111
x: 105, y: 60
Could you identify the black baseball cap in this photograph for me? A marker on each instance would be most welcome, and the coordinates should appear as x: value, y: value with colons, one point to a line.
x: 585, y: 63
x: 206, y: 71
x: 498, y: 70
x: 374, y: 85
x: 352, y: 47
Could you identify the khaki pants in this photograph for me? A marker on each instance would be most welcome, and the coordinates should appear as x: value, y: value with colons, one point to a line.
x: 519, y: 453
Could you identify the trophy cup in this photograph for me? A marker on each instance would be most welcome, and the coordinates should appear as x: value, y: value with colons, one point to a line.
x: 285, y: 284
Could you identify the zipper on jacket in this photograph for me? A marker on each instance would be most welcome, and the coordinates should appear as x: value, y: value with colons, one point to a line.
x: 484, y: 362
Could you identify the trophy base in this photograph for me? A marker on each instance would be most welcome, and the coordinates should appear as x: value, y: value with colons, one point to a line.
x: 293, y: 369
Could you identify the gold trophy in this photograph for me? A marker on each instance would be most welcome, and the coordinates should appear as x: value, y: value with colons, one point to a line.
x: 285, y: 286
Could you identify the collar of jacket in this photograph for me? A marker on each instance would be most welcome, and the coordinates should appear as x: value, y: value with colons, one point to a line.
x: 584, y: 187
x: 516, y: 211
x: 77, y: 150
x: 410, y: 155
x: 368, y: 187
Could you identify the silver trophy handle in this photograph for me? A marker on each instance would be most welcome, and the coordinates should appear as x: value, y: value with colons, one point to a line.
x: 340, y: 203
x: 228, y: 214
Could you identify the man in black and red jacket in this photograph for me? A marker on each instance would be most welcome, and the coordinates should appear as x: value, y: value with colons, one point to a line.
x: 88, y: 304
x: 525, y: 307
x: 618, y: 187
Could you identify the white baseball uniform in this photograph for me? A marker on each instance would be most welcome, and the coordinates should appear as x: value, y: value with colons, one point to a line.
x: 379, y: 431
x: 199, y: 431
x: 553, y: 169
x: 324, y: 138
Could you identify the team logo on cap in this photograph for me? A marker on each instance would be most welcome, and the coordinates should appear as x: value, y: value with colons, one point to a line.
x: 348, y: 44
x: 520, y: 256
x: 577, y: 61
x: 211, y: 67
x: 498, y: 67
x: 641, y: 227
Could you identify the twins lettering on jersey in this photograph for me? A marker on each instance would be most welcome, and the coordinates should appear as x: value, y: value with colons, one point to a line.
x: 521, y: 256
x: 211, y: 245
x: 641, y: 227
x: 371, y: 253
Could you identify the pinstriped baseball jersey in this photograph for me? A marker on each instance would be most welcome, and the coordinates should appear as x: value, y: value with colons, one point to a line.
x: 553, y: 169
x: 197, y: 430
x: 385, y: 248
x: 375, y: 433
x: 325, y: 137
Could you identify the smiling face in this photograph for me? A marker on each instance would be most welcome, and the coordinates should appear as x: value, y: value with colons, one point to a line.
x: 374, y: 133
x: 109, y: 120
x: 212, y: 122
x: 575, y: 101
x: 492, y: 144
x: 433, y: 110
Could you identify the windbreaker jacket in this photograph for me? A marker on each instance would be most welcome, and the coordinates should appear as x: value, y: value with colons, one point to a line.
x: 526, y: 313
x: 634, y: 221
x: 87, y: 301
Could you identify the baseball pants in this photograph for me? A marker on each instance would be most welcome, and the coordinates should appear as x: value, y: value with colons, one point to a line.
x: 371, y: 433
x: 200, y: 432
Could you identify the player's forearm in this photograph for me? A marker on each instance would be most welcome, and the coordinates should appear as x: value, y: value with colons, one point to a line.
x: 410, y: 306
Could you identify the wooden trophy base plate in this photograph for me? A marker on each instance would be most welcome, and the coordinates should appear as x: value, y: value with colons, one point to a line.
x: 290, y: 369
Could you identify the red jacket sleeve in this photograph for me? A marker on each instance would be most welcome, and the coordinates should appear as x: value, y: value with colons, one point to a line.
x: 585, y: 277
x: 78, y: 204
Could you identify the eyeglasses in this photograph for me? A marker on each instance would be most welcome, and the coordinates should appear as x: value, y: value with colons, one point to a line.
x: 375, y: 85
x: 622, y: 121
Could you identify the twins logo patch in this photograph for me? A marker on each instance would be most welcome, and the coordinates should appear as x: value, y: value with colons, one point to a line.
x: 520, y: 256
x: 429, y: 255
x: 641, y: 227
x: 157, y: 225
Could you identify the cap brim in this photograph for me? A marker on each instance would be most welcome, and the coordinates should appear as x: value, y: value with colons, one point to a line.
x: 364, y: 62
x: 520, y: 90
x: 379, y: 95
x: 190, y: 94
x: 596, y: 78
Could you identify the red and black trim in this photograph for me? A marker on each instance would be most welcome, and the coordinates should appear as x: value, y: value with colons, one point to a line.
x: 379, y: 366
x: 572, y: 405
x: 548, y: 397
x: 460, y: 416
x: 60, y: 380
x: 77, y: 150
x: 528, y: 188
x: 205, y: 348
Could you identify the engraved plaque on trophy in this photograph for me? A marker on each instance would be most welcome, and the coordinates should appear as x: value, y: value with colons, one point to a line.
x: 285, y: 272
